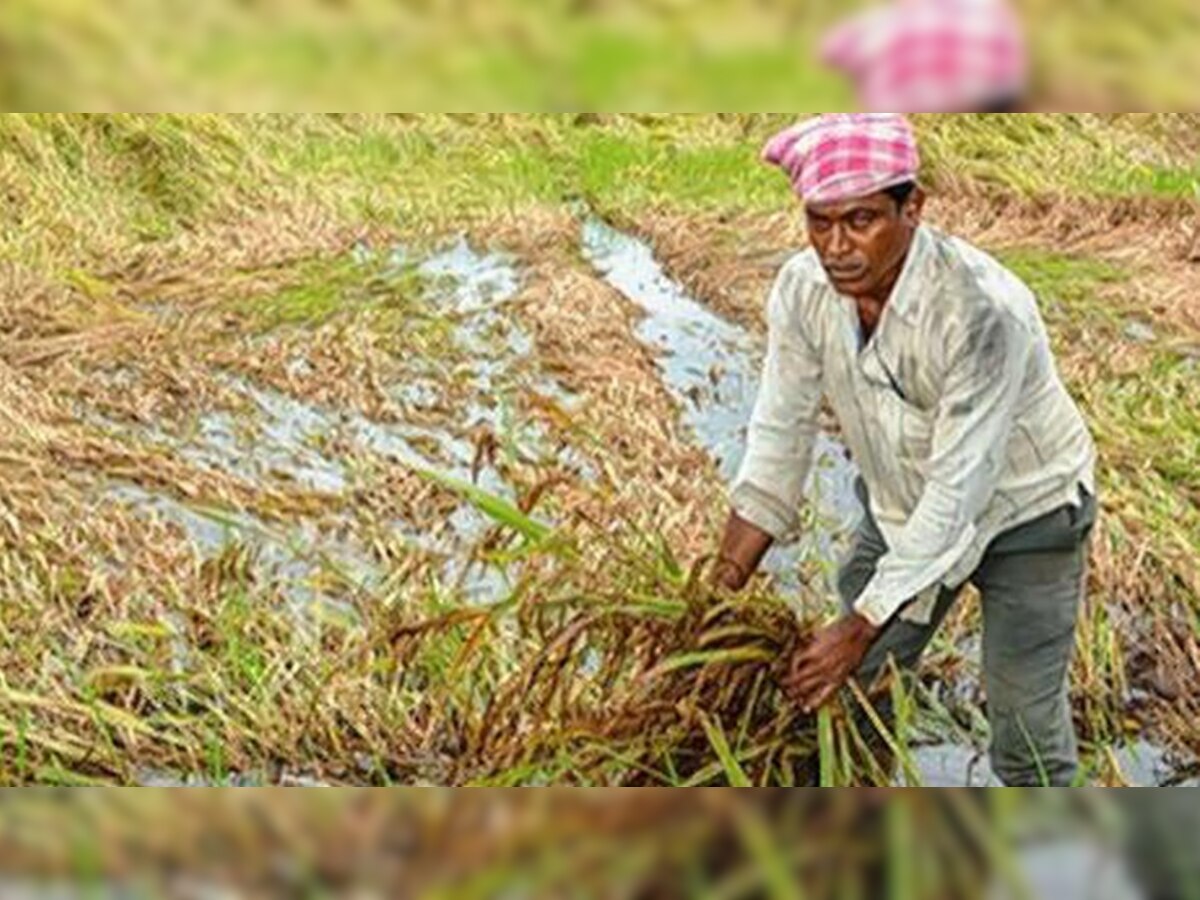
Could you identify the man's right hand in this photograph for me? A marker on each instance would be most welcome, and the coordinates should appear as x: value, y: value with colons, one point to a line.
x: 727, y: 574
x: 743, y: 546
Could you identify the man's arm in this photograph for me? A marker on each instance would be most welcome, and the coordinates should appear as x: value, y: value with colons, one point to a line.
x: 743, y: 546
x: 767, y: 492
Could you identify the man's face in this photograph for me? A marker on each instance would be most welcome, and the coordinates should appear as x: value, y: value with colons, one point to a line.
x: 862, y: 243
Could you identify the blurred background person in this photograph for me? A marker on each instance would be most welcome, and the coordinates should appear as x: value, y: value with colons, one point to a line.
x: 933, y: 56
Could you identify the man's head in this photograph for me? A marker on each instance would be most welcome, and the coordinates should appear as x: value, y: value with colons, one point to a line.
x: 863, y: 241
x: 856, y: 173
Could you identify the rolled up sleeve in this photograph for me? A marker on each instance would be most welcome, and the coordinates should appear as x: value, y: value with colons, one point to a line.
x: 768, y: 489
x: 986, y: 360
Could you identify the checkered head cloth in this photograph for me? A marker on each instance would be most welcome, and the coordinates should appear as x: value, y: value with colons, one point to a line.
x: 932, y: 55
x: 840, y: 156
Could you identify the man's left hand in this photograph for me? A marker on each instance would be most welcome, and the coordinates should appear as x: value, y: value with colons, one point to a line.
x: 823, y: 666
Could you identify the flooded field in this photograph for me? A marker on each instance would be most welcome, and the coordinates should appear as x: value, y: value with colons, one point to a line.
x: 404, y: 495
x: 462, y: 420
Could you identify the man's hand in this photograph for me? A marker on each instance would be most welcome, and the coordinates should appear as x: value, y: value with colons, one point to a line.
x: 823, y: 666
x: 743, y: 546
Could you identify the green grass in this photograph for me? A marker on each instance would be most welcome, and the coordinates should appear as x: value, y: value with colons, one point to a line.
x: 86, y: 190
x: 318, y: 290
x: 631, y: 172
x: 1145, y: 419
x: 373, y: 55
x: 1069, y: 289
x: 1077, y: 154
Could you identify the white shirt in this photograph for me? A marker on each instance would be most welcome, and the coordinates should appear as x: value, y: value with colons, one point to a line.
x: 954, y: 412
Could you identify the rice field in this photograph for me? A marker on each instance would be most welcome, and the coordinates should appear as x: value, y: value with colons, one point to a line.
x: 390, y: 450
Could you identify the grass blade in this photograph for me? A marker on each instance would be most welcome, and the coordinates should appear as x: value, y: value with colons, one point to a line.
x: 710, y: 658
x: 778, y: 880
x: 733, y: 770
x: 827, y: 750
x: 496, y: 508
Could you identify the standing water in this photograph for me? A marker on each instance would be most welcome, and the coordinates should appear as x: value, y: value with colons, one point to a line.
x: 280, y: 441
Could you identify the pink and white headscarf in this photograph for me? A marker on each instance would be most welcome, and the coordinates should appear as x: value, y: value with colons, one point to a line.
x: 841, y: 156
x: 932, y: 55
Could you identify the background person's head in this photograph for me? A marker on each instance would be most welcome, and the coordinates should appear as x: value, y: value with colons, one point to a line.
x: 933, y: 56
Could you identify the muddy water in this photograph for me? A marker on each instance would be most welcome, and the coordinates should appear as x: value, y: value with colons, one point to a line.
x: 476, y: 289
x: 284, y: 440
x: 276, y: 443
x: 1069, y: 867
x: 1141, y: 764
x: 1145, y: 765
x: 711, y: 367
x: 312, y: 566
x: 281, y: 441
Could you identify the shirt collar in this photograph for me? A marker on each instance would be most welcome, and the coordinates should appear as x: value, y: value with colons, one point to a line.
x: 915, y: 278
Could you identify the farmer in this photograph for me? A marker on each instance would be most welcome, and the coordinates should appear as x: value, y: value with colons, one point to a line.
x: 976, y: 466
